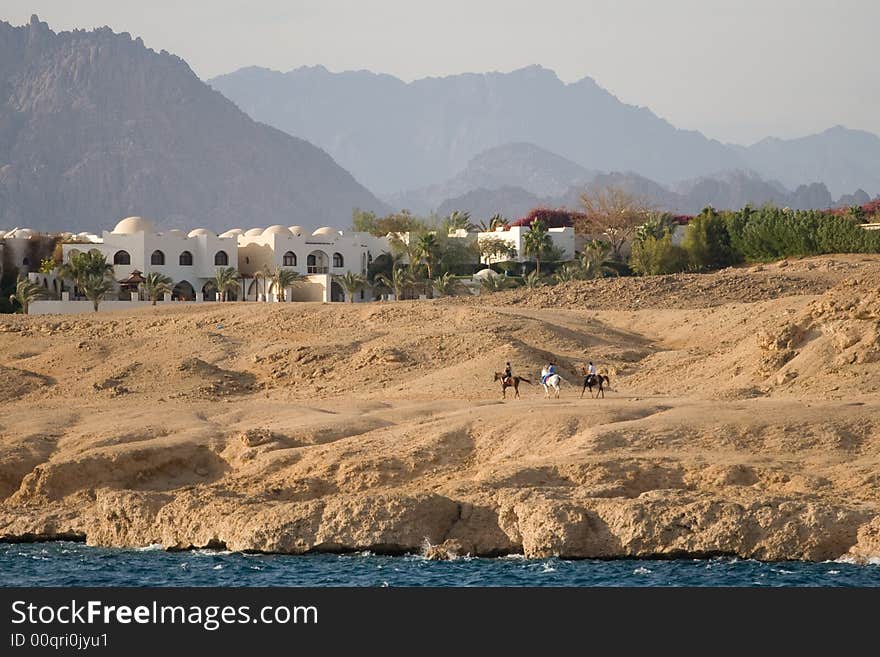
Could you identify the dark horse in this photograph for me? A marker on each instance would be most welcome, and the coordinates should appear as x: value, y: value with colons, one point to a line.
x: 512, y: 383
x: 599, y: 380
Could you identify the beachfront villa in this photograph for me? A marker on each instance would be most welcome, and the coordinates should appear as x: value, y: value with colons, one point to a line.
x: 321, y: 253
x: 135, y: 248
x: 189, y: 259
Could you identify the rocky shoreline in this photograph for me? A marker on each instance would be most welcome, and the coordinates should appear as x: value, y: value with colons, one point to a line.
x: 528, y: 524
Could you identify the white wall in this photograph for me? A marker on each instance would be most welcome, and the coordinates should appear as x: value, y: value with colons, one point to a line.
x: 73, y: 307
x: 562, y: 238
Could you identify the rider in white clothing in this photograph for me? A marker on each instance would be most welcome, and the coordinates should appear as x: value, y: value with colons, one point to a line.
x: 591, y: 371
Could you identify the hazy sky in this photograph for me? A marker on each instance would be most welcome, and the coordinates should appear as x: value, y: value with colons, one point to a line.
x: 737, y: 71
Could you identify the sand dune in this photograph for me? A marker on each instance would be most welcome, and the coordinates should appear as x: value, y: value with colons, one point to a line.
x: 742, y: 419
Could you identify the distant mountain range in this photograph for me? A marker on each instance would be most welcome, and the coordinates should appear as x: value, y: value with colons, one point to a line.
x: 94, y: 127
x: 396, y: 136
x: 521, y: 166
x: 514, y: 178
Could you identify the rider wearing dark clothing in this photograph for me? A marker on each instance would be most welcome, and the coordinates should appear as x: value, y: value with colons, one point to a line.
x: 508, y: 374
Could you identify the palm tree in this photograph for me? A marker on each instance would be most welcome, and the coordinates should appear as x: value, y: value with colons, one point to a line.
x: 568, y: 272
x: 497, y: 283
x: 533, y: 280
x: 225, y: 278
x: 448, y: 285
x: 96, y: 287
x: 156, y: 285
x: 351, y: 283
x: 494, y: 222
x: 594, y: 259
x: 26, y: 291
x: 428, y: 249
x: 537, y: 242
x: 459, y: 220
x: 401, y: 249
x: 81, y: 266
x: 282, y: 279
x: 399, y: 281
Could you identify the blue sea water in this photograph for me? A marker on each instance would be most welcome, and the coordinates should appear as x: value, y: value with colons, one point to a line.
x: 75, y: 564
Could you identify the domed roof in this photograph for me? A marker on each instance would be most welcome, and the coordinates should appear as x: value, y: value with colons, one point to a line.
x: 200, y: 231
x: 20, y: 232
x: 296, y: 230
x: 277, y: 229
x: 131, y: 225
x: 177, y: 232
x: 232, y: 232
x: 253, y: 232
x: 486, y: 273
x: 325, y: 230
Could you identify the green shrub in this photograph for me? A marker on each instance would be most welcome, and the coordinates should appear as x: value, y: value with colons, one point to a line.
x: 657, y: 226
x: 652, y: 256
x: 707, y: 241
x: 844, y: 235
x: 771, y: 234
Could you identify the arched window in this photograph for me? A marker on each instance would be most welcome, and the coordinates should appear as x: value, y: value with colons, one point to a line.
x: 289, y: 259
x: 221, y: 259
x: 337, y: 260
x: 317, y: 262
x: 157, y: 258
x: 186, y: 259
x: 25, y: 261
x: 121, y: 258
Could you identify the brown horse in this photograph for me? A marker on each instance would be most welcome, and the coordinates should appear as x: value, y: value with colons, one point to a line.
x: 513, y: 383
x: 600, y: 380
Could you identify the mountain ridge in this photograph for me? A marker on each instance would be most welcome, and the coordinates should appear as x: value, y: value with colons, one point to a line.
x: 94, y: 126
x: 402, y: 135
x: 471, y: 191
x: 413, y: 134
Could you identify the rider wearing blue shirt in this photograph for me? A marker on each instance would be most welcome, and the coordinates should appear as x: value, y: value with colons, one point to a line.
x: 550, y: 372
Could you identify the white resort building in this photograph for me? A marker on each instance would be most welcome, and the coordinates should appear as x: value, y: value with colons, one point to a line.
x: 136, y: 248
x: 562, y: 237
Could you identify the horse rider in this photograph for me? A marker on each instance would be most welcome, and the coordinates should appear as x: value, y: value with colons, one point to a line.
x: 591, y: 372
x: 551, y: 370
x: 507, y: 377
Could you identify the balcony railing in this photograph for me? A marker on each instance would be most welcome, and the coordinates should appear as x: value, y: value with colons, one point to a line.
x: 315, y: 269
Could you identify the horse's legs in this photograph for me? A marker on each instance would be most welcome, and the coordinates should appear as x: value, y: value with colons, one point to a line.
x: 516, y: 389
x: 583, y: 389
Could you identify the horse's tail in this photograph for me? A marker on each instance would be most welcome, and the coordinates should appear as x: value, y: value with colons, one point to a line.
x: 522, y: 378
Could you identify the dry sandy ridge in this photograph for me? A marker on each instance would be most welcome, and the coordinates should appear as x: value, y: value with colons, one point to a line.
x: 742, y: 419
